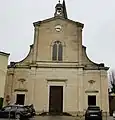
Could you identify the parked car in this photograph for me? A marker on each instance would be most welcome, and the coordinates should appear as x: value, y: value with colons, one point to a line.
x: 14, y: 111
x: 93, y: 112
x: 31, y: 110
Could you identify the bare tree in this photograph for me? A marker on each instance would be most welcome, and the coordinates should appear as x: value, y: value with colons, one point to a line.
x: 112, y: 80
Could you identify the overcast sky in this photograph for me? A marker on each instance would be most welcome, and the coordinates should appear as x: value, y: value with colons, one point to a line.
x: 17, y: 17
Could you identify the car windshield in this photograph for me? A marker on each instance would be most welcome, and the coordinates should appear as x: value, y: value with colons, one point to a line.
x: 22, y: 108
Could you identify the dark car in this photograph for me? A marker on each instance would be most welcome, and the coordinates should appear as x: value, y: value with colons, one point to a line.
x: 31, y: 110
x: 14, y: 111
x: 93, y: 112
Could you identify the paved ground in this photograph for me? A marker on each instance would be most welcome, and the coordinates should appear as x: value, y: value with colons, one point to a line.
x: 58, y: 118
x: 64, y: 118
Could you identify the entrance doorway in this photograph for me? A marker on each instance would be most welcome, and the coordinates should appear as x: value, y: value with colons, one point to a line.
x: 56, y: 100
x: 91, y: 99
x: 20, y: 99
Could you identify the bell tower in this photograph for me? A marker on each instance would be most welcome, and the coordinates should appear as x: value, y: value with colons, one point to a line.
x: 60, y: 10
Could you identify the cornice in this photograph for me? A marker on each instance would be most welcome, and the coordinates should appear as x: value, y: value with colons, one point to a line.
x: 20, y: 90
x: 5, y: 54
x: 96, y: 68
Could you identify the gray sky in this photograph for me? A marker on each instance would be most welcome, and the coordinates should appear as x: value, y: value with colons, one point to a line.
x: 16, y: 28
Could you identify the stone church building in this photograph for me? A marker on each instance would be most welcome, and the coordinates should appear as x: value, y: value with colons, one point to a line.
x: 57, y: 75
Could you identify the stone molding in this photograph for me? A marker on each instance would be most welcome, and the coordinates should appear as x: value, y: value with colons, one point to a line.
x: 20, y: 90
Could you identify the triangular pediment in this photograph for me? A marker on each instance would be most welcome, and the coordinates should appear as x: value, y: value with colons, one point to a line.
x: 55, y: 18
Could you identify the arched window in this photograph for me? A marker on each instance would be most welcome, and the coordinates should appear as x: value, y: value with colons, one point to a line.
x: 57, y: 51
x: 60, y: 48
x: 54, y: 56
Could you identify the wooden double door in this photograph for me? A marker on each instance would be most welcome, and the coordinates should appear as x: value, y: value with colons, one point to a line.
x: 56, y: 100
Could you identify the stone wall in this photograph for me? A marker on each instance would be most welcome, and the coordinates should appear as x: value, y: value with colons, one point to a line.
x: 3, y: 71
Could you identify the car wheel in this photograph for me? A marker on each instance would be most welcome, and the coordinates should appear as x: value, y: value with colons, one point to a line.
x: 17, y: 116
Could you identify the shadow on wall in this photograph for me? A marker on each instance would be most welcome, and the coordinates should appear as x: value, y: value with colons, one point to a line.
x: 1, y: 102
x: 111, y: 104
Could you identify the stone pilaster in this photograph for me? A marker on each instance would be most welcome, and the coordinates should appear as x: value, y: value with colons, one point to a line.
x: 81, y: 90
x: 35, y: 51
x: 79, y: 37
x: 104, y: 92
x: 32, y: 84
x: 9, y: 85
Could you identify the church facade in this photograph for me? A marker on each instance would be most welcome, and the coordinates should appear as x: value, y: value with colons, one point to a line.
x: 57, y: 75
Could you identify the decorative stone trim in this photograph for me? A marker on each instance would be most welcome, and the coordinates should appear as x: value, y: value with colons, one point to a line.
x: 20, y: 90
x: 22, y: 80
x: 91, y: 91
x: 20, y: 66
x: 57, y: 80
x: 96, y: 68
x: 91, y: 81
